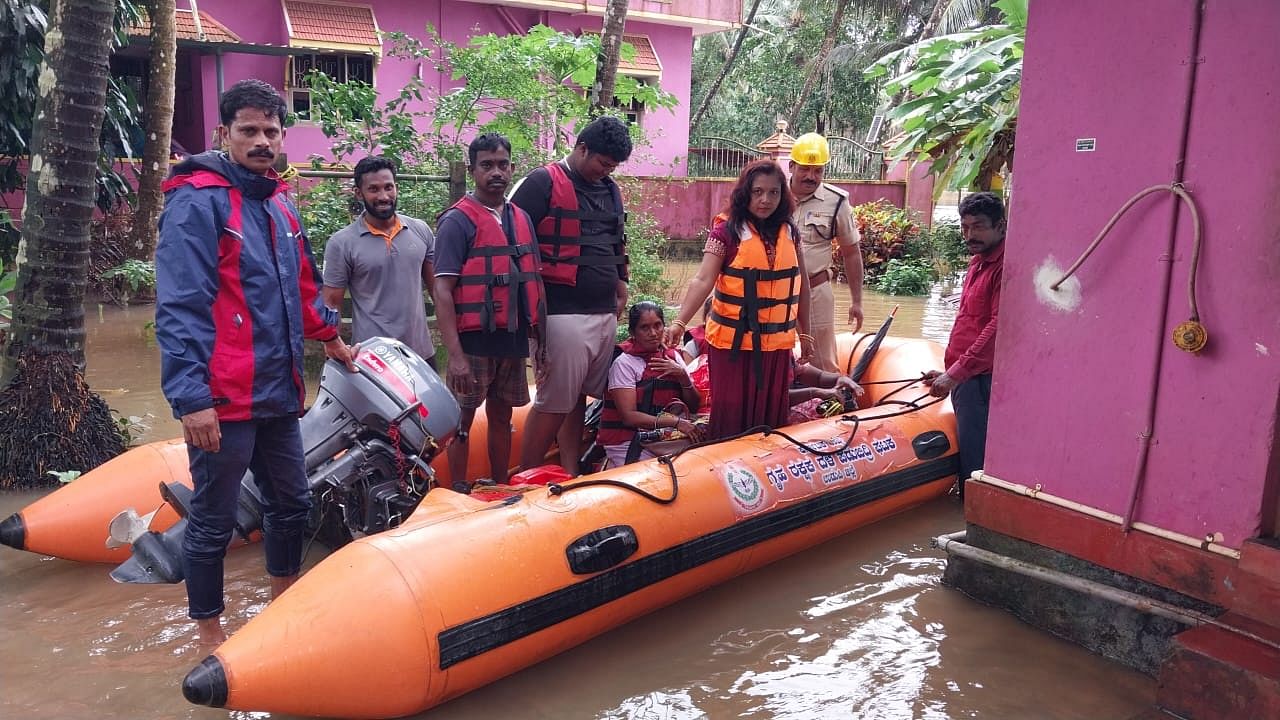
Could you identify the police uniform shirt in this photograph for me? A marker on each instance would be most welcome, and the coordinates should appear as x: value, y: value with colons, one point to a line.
x: 825, y: 213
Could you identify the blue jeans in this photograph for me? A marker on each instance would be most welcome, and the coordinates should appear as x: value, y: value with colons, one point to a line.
x: 971, y: 400
x: 272, y: 449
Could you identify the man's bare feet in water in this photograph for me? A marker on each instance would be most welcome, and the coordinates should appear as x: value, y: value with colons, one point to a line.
x: 210, y: 632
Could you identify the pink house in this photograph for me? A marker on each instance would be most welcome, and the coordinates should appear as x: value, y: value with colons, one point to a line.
x: 1112, y: 454
x: 222, y: 41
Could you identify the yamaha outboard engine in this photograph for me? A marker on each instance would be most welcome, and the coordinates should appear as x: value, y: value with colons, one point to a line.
x: 367, y: 442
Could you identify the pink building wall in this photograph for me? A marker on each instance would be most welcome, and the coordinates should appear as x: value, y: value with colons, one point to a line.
x: 456, y: 21
x: 684, y: 208
x: 1071, y: 384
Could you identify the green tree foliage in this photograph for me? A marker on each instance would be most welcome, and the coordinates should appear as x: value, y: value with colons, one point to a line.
x: 899, y: 257
x: 784, y: 48
x: 964, y: 109
x: 48, y: 415
x: 527, y: 87
x: 24, y: 23
x: 530, y: 88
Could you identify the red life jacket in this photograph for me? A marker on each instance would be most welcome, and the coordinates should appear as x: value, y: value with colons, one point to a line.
x: 560, y: 237
x: 489, y: 280
x: 653, y: 394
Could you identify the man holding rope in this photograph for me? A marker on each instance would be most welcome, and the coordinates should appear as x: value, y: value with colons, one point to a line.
x: 971, y: 348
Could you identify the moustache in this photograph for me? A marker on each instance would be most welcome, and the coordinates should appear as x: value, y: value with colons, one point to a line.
x: 262, y: 152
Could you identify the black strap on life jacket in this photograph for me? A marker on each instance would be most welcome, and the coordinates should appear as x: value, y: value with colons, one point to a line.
x: 514, y: 279
x: 611, y: 240
x: 749, y: 307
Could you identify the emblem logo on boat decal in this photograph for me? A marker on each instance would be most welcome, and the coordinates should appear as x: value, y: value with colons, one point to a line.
x: 744, y: 487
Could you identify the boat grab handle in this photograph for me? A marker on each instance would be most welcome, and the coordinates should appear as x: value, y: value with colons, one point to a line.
x: 602, y: 549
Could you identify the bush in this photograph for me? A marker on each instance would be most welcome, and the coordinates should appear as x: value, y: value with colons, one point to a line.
x: 645, y: 242
x: 905, y: 277
x: 129, y: 278
x: 943, y: 249
x: 887, y: 232
x: 326, y: 207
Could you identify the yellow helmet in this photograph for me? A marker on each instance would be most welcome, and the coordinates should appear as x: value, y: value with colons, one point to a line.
x: 811, y: 149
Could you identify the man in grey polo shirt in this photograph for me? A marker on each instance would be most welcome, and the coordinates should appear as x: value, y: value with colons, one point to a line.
x: 383, y: 259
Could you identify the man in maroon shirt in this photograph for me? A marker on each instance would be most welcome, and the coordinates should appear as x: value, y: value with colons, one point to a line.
x: 971, y: 349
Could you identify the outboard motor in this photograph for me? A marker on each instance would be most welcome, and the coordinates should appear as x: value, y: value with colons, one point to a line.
x: 367, y: 444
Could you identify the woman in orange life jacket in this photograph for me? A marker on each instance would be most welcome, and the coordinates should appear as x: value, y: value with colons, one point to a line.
x: 760, y: 306
x: 648, y: 386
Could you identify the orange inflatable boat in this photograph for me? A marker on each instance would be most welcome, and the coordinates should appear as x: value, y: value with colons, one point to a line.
x: 72, y: 522
x: 466, y: 592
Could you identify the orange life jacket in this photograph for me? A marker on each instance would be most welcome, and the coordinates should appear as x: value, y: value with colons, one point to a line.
x: 490, y: 280
x: 754, y: 306
x: 653, y: 394
x: 560, y: 237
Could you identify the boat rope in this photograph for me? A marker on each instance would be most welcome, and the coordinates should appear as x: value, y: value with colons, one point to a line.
x: 848, y: 365
x: 668, y: 461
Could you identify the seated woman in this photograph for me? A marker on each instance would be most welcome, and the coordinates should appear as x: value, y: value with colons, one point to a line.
x: 646, y: 384
x: 814, y: 390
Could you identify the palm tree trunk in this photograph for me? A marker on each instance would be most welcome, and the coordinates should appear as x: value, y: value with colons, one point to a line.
x: 935, y: 17
x: 724, y: 69
x: 615, y: 20
x: 158, y: 115
x: 49, y: 420
x: 819, y: 60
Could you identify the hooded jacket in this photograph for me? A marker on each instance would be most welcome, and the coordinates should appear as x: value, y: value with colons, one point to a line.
x: 236, y: 292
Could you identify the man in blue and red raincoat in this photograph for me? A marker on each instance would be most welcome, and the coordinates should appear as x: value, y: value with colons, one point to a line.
x: 236, y: 292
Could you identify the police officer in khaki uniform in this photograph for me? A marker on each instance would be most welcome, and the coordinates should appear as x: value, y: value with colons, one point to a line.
x: 823, y: 212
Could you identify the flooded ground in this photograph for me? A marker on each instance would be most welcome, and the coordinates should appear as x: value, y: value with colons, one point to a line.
x: 859, y: 627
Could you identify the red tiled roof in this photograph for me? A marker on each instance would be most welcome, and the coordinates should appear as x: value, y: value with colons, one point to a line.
x: 331, y: 23
x: 214, y: 31
x: 646, y: 60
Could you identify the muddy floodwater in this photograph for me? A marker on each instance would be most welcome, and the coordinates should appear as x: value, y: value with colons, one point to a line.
x: 860, y: 627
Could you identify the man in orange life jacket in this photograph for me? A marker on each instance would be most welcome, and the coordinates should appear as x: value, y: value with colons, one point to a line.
x: 236, y: 292
x: 489, y: 302
x: 579, y: 216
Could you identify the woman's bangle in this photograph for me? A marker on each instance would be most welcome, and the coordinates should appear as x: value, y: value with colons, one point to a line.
x: 806, y: 336
x: 681, y: 323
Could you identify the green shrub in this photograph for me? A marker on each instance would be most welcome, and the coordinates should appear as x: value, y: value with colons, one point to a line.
x: 134, y: 273
x: 945, y: 251
x: 887, y: 233
x: 645, y: 242
x: 326, y: 207
x: 904, y: 277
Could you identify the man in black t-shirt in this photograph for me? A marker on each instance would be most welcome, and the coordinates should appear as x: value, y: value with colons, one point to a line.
x: 578, y: 213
